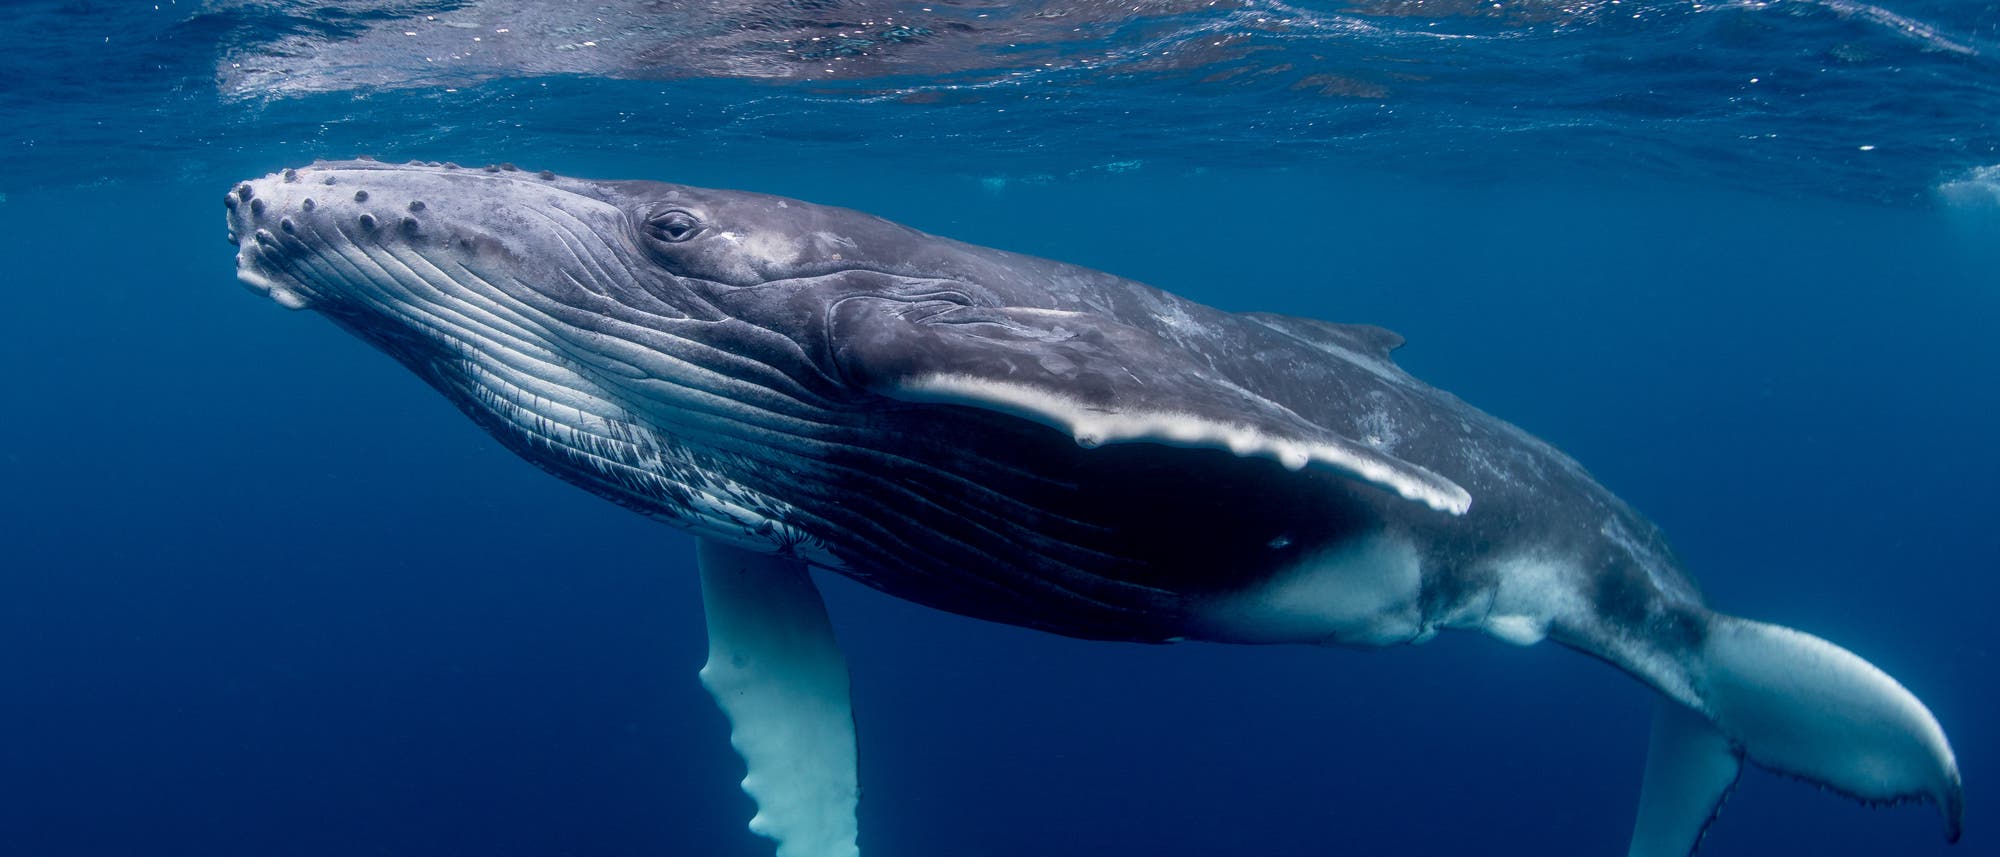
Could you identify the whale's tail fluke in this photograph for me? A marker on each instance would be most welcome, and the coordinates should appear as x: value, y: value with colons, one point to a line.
x: 1800, y: 706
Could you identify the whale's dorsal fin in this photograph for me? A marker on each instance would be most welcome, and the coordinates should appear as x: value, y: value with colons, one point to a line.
x: 1099, y: 380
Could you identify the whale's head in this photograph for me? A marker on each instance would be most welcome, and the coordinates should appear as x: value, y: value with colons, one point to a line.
x: 575, y: 315
x: 357, y: 237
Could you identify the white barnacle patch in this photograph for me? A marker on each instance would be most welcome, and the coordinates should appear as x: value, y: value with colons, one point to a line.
x: 1362, y: 592
x: 1093, y: 427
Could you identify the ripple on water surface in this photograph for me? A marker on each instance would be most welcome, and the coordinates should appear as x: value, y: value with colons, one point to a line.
x: 1821, y: 97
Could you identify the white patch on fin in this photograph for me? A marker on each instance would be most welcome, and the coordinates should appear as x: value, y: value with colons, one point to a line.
x: 1092, y: 428
x: 776, y: 671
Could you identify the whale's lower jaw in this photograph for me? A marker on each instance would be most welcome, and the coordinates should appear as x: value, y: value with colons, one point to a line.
x: 286, y: 295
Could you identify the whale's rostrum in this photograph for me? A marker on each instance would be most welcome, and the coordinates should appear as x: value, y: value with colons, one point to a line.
x: 1034, y: 443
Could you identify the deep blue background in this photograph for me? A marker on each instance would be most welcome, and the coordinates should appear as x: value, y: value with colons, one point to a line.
x: 265, y: 594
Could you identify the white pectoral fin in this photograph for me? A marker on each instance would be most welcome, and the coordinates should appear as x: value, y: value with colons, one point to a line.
x: 776, y: 671
x: 1690, y: 768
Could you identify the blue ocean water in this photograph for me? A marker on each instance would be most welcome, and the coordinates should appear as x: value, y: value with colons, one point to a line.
x: 265, y: 593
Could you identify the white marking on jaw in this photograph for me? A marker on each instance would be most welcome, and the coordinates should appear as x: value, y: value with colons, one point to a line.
x: 284, y: 295
x: 1365, y: 591
x: 1093, y: 427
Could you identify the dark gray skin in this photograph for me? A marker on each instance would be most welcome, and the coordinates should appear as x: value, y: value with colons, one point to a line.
x: 1102, y: 459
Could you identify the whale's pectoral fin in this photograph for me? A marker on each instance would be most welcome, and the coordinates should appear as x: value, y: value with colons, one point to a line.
x: 1101, y: 381
x: 1800, y: 706
x: 776, y: 671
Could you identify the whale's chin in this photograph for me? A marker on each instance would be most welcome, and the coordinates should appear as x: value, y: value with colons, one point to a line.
x: 284, y: 295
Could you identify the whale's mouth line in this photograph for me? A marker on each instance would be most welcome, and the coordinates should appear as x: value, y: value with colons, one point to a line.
x: 255, y: 280
x: 249, y: 273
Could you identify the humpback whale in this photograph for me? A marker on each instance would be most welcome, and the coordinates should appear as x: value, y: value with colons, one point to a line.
x: 1034, y: 443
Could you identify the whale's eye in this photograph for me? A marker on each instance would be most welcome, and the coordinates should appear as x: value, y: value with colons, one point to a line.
x: 673, y: 226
